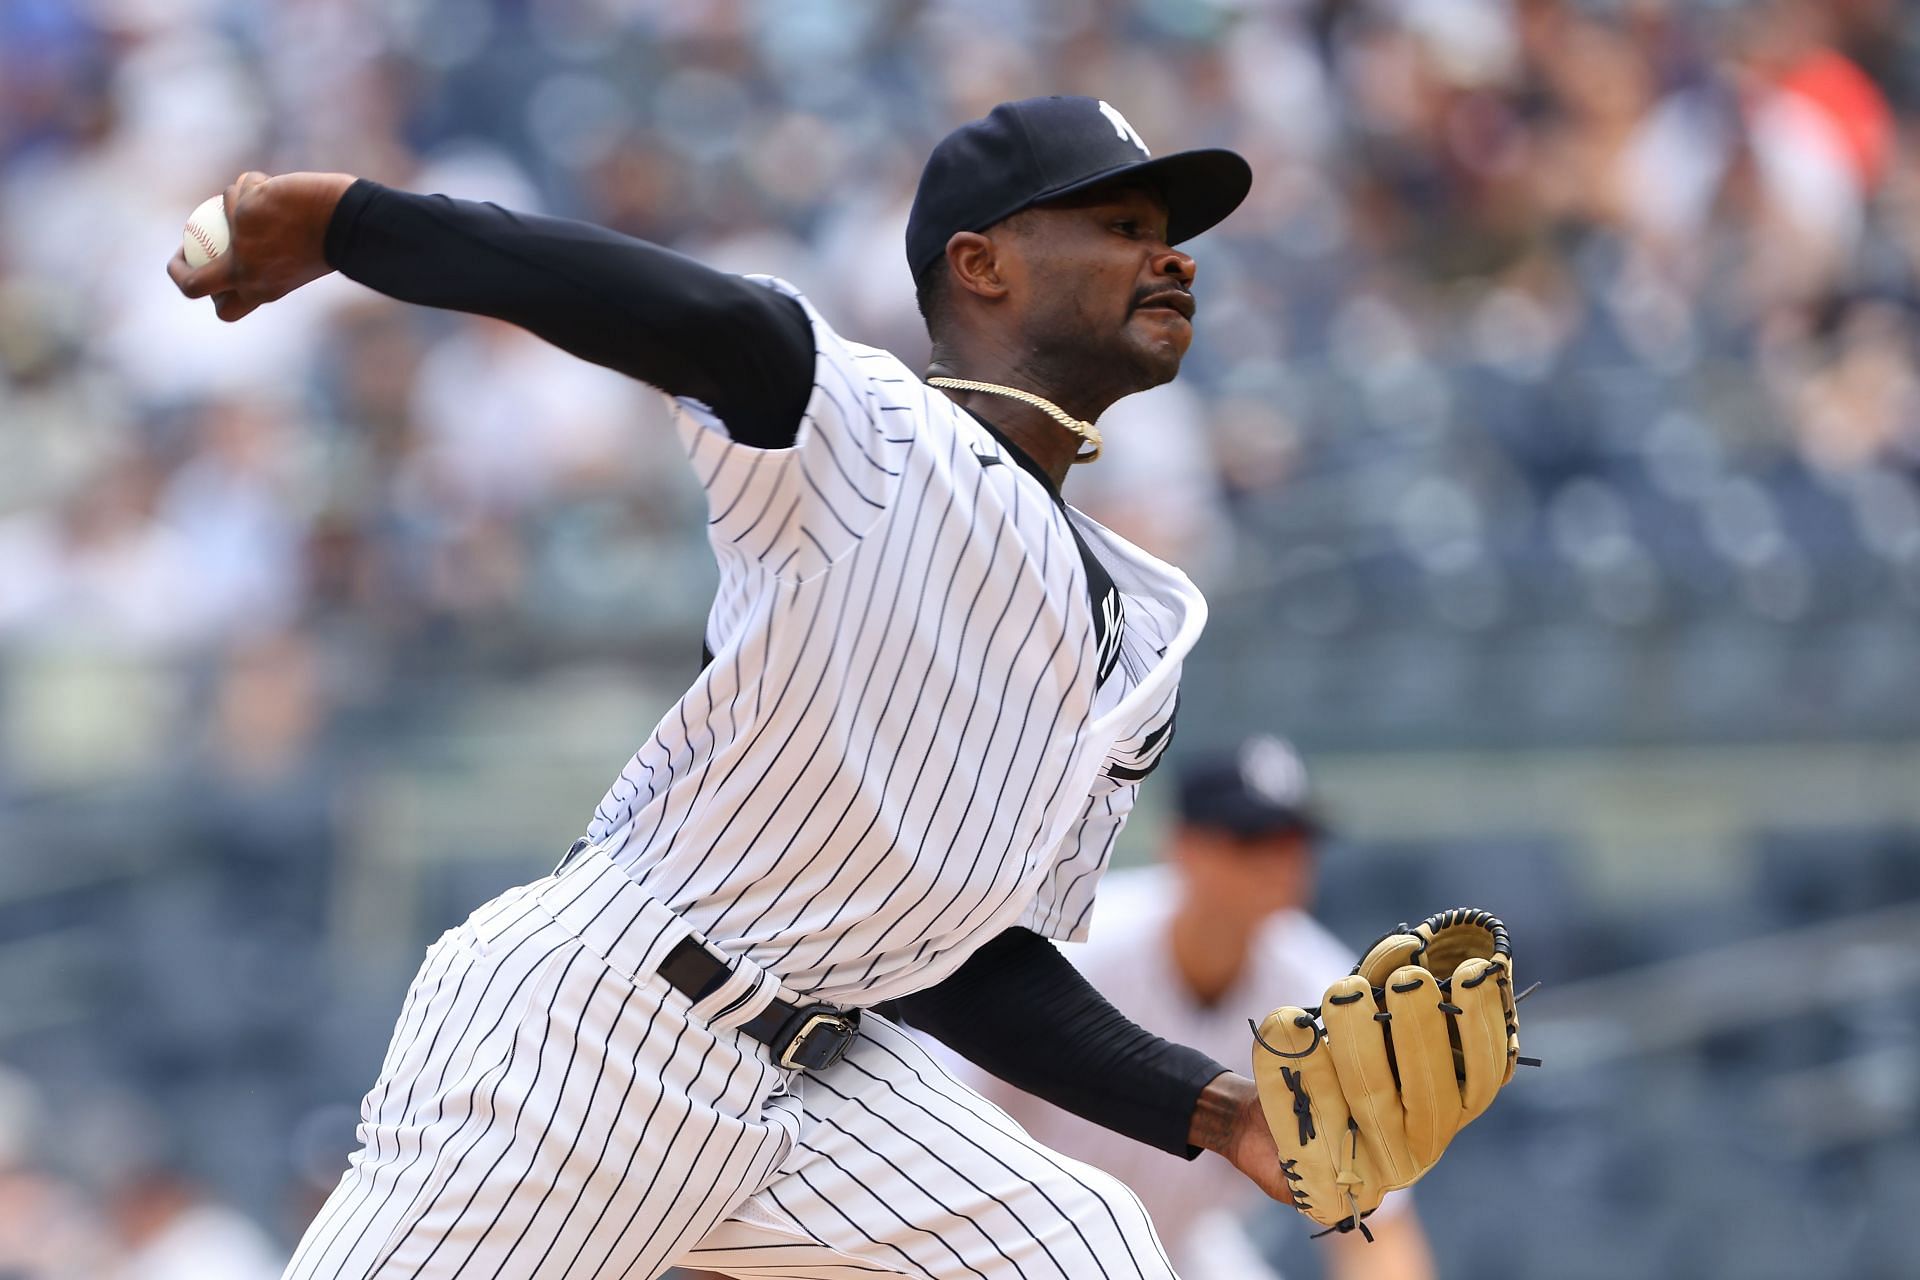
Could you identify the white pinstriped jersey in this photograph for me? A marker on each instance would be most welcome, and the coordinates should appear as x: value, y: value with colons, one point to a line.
x: 903, y: 743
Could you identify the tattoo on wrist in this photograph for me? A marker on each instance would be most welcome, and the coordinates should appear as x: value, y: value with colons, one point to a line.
x: 1218, y: 1114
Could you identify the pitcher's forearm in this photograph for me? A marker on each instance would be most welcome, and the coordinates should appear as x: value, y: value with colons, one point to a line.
x: 743, y: 350
x: 1019, y: 1010
x: 655, y: 315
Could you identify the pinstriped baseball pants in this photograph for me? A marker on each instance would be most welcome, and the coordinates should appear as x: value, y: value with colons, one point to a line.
x: 551, y: 1109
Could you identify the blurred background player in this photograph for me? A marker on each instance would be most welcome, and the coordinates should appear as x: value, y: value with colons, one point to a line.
x: 1193, y: 948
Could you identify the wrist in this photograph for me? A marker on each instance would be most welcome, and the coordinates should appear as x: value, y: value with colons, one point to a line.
x: 1228, y: 1119
x: 328, y: 192
x: 1222, y: 1112
x: 339, y: 206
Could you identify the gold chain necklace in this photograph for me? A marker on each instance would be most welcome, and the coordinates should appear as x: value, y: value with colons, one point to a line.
x: 1085, y: 430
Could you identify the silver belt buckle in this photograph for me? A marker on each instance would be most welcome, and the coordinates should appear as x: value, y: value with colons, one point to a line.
x: 820, y: 1041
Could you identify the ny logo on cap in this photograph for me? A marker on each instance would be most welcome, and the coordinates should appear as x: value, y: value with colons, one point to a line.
x: 1126, y: 131
x: 1271, y: 770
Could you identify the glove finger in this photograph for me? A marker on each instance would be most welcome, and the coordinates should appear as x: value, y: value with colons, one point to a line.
x: 1301, y: 1101
x: 1383, y: 957
x: 1359, y: 1046
x: 1423, y: 1055
x: 1483, y: 994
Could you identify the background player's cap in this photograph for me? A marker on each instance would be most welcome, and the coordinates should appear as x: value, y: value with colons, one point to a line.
x: 1259, y: 789
x: 1027, y: 152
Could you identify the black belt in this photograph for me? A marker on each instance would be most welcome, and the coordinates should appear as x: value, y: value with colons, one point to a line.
x: 802, y: 1036
x: 805, y: 1036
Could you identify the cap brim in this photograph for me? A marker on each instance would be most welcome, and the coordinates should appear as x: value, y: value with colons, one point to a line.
x: 1200, y: 187
x: 1254, y: 821
x: 1267, y: 825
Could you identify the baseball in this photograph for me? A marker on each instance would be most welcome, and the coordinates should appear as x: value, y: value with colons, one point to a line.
x: 206, y: 235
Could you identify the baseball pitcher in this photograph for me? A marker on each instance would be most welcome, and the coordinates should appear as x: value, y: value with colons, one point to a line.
x: 932, y: 691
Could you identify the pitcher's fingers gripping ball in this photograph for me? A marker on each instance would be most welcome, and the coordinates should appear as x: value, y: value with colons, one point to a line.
x: 1364, y: 1093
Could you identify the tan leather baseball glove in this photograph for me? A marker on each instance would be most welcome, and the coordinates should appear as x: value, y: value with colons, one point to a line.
x: 1364, y: 1093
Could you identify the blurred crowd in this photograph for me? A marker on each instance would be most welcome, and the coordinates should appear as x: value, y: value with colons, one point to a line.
x: 149, y: 1221
x: 1542, y: 301
x: 1602, y: 315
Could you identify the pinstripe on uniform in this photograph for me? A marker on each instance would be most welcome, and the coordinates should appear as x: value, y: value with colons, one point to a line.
x: 916, y: 730
x: 900, y: 729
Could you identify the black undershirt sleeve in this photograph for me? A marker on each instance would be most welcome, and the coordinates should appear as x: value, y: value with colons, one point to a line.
x: 1020, y: 1010
x: 743, y: 350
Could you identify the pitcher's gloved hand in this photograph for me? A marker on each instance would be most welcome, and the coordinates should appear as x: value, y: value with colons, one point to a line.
x: 1364, y: 1093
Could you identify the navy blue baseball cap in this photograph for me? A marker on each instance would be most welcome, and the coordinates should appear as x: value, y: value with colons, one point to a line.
x: 1038, y: 149
x: 1258, y: 789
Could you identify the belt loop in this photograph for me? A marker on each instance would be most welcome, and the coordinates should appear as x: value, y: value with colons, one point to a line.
x: 744, y: 997
x: 578, y: 845
x: 636, y: 934
x: 617, y: 920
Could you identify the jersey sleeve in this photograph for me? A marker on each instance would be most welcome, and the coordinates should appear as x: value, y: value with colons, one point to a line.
x: 797, y: 510
x: 1063, y: 908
